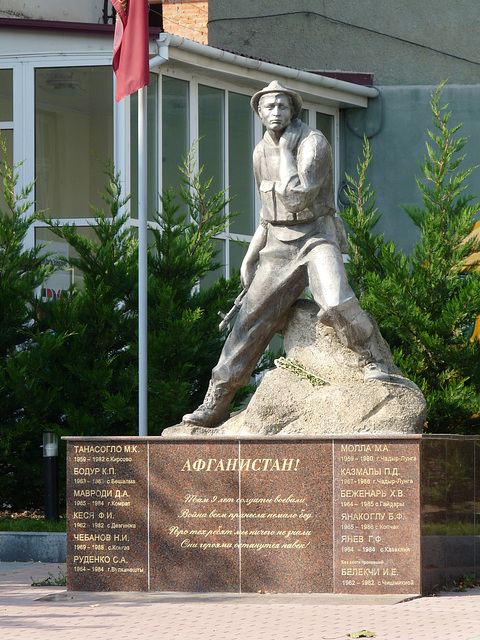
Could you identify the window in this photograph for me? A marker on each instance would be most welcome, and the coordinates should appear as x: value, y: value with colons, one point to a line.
x: 221, y: 123
x: 6, y: 95
x: 325, y: 124
x: 175, y: 127
x: 211, y: 127
x: 175, y: 131
x: 73, y: 130
x: 240, y: 163
x: 6, y: 119
x: 73, y: 136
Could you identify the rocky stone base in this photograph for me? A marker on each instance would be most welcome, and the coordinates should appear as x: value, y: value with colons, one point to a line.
x: 287, y: 404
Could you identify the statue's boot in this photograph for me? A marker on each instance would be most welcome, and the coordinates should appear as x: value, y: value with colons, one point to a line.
x: 215, y: 408
x: 354, y: 329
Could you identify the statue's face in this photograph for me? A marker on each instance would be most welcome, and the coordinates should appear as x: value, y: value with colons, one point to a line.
x: 275, y: 111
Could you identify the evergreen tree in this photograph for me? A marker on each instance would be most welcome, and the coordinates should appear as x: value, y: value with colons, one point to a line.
x: 425, y: 303
x: 362, y: 217
x: 22, y: 271
x: 94, y: 325
x: 73, y: 363
x: 184, y: 338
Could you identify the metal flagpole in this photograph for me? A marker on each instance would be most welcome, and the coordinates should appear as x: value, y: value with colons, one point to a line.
x: 142, y: 265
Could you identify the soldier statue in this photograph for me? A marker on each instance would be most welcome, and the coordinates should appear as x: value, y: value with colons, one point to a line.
x: 296, y: 245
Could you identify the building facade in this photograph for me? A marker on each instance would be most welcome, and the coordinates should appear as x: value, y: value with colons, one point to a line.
x: 59, y: 118
x: 408, y: 48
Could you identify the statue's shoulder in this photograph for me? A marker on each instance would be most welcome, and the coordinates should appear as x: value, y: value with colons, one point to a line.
x: 314, y: 136
x: 312, y: 143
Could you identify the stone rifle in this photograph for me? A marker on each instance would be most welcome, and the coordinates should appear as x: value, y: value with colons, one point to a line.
x: 228, y: 317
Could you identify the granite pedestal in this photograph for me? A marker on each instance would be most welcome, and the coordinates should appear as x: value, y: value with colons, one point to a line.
x: 245, y: 514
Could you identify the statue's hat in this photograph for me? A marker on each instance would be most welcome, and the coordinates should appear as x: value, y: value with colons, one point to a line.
x: 277, y: 87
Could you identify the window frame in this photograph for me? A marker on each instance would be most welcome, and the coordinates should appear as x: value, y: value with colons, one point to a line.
x: 23, y: 123
x: 196, y: 79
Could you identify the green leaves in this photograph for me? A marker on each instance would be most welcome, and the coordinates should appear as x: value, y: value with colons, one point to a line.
x: 361, y: 217
x: 21, y: 270
x: 424, y: 302
x: 72, y: 365
x: 184, y: 339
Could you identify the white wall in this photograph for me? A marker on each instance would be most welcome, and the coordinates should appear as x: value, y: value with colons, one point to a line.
x: 63, y: 10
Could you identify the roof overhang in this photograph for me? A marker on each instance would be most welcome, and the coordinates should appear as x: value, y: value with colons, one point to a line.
x: 256, y: 74
x: 72, y: 39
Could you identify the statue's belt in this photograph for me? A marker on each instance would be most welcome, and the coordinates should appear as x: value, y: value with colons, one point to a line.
x: 297, y: 222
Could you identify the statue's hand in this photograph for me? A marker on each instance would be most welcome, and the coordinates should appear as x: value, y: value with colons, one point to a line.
x: 288, y: 140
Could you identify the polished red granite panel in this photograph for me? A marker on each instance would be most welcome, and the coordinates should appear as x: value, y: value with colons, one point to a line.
x: 286, y: 516
x: 107, y: 509
x: 434, y: 486
x: 377, y: 516
x: 241, y: 517
x: 243, y: 514
x: 193, y: 516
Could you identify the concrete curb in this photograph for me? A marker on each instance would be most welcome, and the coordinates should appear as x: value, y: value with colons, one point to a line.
x: 22, y: 546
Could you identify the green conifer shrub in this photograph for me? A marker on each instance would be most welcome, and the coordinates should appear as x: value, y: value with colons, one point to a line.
x: 96, y: 326
x: 184, y: 338
x: 425, y: 302
x: 77, y: 370
x: 22, y: 272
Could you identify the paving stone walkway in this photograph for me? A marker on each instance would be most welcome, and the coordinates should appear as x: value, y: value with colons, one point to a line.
x: 48, y: 613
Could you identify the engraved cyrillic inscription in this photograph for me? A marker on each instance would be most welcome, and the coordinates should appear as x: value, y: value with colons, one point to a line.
x: 106, y: 496
x: 376, y: 513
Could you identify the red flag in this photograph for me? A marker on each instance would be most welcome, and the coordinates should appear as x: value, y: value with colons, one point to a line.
x: 130, y: 46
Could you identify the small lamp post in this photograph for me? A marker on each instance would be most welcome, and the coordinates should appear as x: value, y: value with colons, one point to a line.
x: 50, y: 474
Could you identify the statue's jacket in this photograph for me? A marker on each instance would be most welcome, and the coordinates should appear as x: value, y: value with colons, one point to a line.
x: 294, y: 208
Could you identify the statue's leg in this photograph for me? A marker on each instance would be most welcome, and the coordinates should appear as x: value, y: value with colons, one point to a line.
x: 276, y: 286
x: 341, y: 309
x: 257, y: 322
